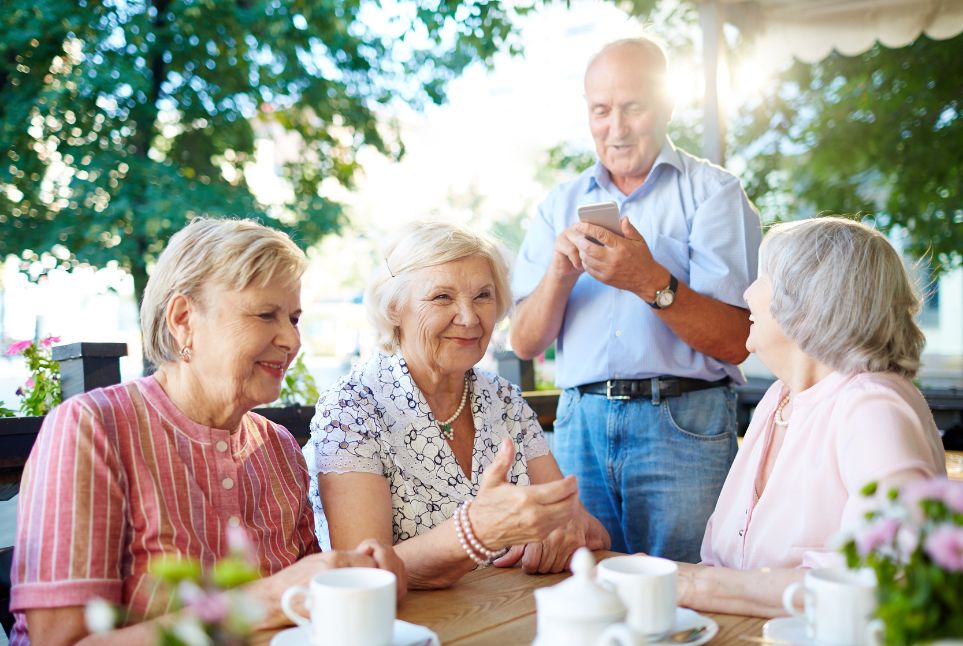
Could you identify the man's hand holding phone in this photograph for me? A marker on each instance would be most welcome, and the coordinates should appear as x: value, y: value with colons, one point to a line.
x: 622, y: 260
x: 602, y: 214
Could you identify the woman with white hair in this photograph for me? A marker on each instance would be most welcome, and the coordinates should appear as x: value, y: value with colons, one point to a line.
x: 420, y: 448
x: 175, y: 463
x: 832, y: 316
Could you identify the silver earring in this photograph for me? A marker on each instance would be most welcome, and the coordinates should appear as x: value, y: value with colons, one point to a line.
x: 186, y: 354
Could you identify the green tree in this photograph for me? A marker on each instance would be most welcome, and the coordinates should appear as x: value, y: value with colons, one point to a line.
x: 120, y: 120
x: 878, y: 134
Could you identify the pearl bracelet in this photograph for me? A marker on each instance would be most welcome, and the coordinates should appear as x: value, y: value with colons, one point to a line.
x: 481, y: 549
x: 461, y: 539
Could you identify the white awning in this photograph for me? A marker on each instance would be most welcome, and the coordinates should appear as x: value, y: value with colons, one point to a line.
x: 811, y: 29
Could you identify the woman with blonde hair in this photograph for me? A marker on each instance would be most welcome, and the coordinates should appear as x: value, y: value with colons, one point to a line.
x: 174, y: 463
x: 420, y: 448
x: 833, y: 316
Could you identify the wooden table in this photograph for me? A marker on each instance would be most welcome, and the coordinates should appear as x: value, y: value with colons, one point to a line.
x: 494, y: 606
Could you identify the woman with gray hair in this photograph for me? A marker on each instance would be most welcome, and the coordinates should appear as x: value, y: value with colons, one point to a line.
x: 832, y: 316
x: 176, y: 463
x: 420, y: 448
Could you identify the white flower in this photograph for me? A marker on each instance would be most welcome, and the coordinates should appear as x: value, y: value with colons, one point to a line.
x: 191, y: 632
x: 99, y: 616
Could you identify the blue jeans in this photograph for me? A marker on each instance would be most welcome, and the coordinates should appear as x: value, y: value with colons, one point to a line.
x: 650, y: 470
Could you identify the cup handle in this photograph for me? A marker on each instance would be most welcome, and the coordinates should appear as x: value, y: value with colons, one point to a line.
x: 619, y: 635
x: 787, y: 599
x: 288, y: 597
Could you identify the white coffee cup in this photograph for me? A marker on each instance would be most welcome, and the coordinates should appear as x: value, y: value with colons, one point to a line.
x: 646, y: 585
x: 353, y: 606
x: 839, y: 605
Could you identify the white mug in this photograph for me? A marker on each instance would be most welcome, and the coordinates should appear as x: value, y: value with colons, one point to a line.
x: 353, y: 606
x: 839, y: 605
x: 646, y: 585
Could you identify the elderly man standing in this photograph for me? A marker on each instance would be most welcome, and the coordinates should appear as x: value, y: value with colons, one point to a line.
x: 650, y: 323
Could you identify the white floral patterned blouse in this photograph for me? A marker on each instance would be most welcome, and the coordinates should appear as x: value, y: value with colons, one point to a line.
x: 376, y: 420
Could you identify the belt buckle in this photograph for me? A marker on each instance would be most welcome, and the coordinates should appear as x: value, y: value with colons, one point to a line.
x: 608, y: 391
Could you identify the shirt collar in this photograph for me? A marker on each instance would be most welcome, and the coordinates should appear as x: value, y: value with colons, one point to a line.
x: 668, y: 155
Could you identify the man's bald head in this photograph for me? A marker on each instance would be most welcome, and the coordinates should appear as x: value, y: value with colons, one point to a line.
x: 643, y: 53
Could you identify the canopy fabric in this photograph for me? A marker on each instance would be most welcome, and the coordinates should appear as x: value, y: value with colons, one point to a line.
x: 810, y: 29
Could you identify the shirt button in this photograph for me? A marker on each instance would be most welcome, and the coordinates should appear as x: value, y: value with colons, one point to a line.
x: 618, y: 333
x: 227, y: 483
x: 221, y: 446
x: 741, y: 532
x: 234, y: 521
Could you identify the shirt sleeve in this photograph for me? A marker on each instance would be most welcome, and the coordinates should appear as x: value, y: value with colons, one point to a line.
x: 344, y: 435
x: 880, y: 435
x: 535, y: 254
x: 724, y: 244
x: 531, y: 438
x: 71, y: 515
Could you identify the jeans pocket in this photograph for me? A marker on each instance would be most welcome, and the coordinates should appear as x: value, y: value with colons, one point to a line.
x: 707, y: 415
x: 567, y: 401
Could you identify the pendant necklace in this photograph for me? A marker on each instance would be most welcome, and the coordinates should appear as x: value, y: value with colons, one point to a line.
x: 445, y: 426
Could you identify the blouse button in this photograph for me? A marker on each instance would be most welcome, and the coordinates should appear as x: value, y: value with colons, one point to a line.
x: 221, y: 446
x: 234, y: 521
x: 742, y: 532
x: 227, y: 483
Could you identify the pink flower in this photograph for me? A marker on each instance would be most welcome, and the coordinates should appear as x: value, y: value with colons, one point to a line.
x: 18, y: 347
x: 30, y: 382
x: 945, y: 547
x: 211, y: 608
x: 239, y: 542
x: 882, y: 532
x: 49, y: 340
x: 953, y: 496
x: 918, y: 490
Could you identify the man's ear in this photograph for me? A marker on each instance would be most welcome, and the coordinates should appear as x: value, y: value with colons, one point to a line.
x: 180, y: 309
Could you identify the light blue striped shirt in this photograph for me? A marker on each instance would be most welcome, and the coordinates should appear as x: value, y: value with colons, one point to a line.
x: 699, y: 225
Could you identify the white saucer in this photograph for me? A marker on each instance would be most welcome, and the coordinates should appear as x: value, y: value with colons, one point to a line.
x: 405, y: 634
x: 686, y: 619
x: 791, y: 630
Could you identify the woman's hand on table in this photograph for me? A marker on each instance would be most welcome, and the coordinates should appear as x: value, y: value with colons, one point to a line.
x: 555, y: 552
x: 504, y: 514
x: 369, y: 553
x: 386, y: 558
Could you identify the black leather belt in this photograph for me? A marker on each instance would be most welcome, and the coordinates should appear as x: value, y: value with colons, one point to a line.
x: 635, y: 388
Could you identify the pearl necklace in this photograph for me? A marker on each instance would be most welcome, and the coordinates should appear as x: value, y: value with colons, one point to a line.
x: 445, y: 426
x: 778, y: 418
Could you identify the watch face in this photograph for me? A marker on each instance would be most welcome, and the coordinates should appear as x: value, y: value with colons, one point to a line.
x: 665, y: 298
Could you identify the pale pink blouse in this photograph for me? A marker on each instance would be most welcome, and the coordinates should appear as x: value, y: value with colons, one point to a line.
x: 844, y: 432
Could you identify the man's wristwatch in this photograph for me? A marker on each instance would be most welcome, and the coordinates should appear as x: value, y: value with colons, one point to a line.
x: 665, y: 297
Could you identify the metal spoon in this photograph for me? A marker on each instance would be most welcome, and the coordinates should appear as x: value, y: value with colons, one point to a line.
x: 687, y: 635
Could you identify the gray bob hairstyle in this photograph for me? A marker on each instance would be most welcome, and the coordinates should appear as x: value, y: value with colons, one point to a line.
x: 841, y: 293
x: 230, y: 253
x: 420, y: 245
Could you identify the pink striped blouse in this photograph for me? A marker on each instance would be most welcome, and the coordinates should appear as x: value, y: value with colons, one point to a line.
x: 119, y: 476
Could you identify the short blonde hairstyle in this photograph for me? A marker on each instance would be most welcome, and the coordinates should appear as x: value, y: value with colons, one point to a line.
x: 842, y: 294
x: 421, y: 245
x: 228, y: 253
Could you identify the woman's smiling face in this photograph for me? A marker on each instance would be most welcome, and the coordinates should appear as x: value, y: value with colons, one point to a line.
x: 244, y: 340
x: 447, y: 318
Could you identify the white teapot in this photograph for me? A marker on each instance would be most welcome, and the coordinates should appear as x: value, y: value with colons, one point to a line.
x: 580, y: 612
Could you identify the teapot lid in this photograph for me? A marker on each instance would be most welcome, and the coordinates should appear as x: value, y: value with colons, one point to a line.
x: 580, y: 596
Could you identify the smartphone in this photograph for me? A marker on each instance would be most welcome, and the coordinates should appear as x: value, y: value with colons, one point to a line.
x: 603, y: 214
